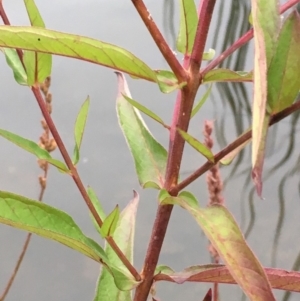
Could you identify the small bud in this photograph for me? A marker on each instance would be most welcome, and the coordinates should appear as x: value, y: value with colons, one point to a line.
x: 42, y: 164
x: 49, y: 107
x: 49, y: 98
x: 51, y: 145
x: 44, y: 124
x: 42, y: 181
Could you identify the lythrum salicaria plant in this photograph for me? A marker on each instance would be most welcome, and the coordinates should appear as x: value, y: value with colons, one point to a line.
x: 276, y: 84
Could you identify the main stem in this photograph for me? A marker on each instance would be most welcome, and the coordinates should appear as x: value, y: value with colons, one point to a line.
x: 181, y: 119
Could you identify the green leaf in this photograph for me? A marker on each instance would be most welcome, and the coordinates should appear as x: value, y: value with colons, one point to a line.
x: 197, y: 145
x: 167, y: 81
x: 97, y: 205
x: 149, y: 156
x: 33, y: 148
x: 199, y: 105
x: 34, y: 14
x: 46, y: 221
x: 79, y: 47
x: 209, y: 55
x: 227, y: 75
x: 38, y: 65
x: 188, y: 26
x: 266, y: 21
x: 15, y: 64
x: 145, y: 110
x: 79, y: 129
x: 284, y: 70
x: 124, y: 237
x: 226, y: 237
x: 110, y: 223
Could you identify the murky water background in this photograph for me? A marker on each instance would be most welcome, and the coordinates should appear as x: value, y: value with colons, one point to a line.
x: 51, y: 271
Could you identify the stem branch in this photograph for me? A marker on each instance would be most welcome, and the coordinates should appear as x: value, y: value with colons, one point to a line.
x: 78, y: 181
x: 229, y: 148
x: 160, y: 41
x: 242, y: 40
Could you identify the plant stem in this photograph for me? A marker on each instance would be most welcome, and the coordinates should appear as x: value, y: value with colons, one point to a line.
x: 17, y: 266
x: 205, y: 15
x: 229, y: 148
x: 181, y: 119
x: 242, y: 40
x: 160, y: 41
x: 78, y: 181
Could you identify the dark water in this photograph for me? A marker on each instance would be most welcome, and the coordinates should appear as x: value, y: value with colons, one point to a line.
x: 53, y: 272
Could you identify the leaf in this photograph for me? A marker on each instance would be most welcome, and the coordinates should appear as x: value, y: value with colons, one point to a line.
x: 227, y: 75
x: 15, y: 64
x: 110, y: 223
x: 79, y: 47
x: 209, y: 55
x: 226, y: 160
x: 188, y: 26
x: 197, y: 145
x: 212, y: 273
x: 208, y: 296
x: 124, y: 236
x: 38, y: 65
x: 266, y: 20
x: 33, y: 148
x: 145, y: 110
x: 34, y: 14
x: 199, y: 105
x: 96, y: 203
x: 167, y: 81
x: 226, y: 237
x: 46, y: 221
x: 79, y: 129
x: 149, y: 156
x: 284, y: 70
x: 99, y: 209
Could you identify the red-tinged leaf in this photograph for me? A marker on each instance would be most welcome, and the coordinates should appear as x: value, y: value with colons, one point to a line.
x: 226, y: 237
x: 208, y: 296
x: 211, y: 273
x: 149, y: 155
x: 284, y: 70
x: 265, y: 17
x: 258, y: 157
x: 227, y: 75
x: 79, y: 47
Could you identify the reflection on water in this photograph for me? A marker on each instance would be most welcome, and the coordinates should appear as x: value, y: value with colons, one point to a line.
x: 232, y: 104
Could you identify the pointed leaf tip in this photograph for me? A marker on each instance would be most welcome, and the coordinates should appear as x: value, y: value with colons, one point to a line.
x: 149, y: 155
